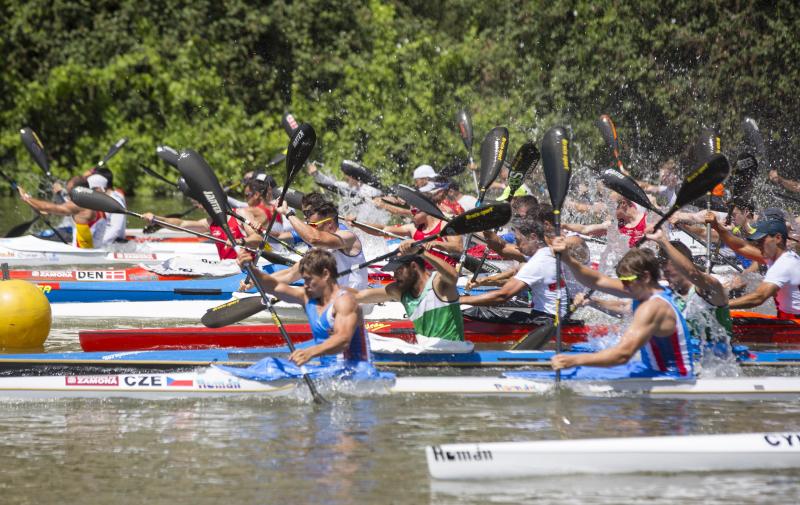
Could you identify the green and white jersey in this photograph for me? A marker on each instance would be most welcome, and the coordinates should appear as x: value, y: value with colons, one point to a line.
x: 432, y: 316
x: 697, y: 311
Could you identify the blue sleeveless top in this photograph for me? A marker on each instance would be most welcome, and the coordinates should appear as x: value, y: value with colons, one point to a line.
x: 671, y: 354
x: 322, y: 326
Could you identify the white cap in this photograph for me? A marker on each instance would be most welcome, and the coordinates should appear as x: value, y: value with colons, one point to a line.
x: 424, y: 171
x: 433, y: 187
x: 97, y: 181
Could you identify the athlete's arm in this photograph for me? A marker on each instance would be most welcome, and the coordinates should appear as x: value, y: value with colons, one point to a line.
x: 706, y: 284
x: 762, y: 293
x: 497, y: 296
x: 387, y: 293
x: 317, y: 238
x: 738, y: 244
x: 282, y: 290
x: 588, y: 229
x: 585, y: 275
x: 345, y: 320
x: 646, y: 322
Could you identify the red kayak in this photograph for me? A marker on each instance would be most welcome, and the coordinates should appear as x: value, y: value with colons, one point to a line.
x: 749, y: 328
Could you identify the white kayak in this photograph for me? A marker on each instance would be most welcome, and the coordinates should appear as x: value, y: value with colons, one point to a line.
x: 30, y: 250
x: 697, y: 453
x: 215, y: 382
x: 193, y: 310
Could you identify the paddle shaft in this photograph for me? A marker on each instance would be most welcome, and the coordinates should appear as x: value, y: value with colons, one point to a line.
x: 557, y: 319
x: 39, y: 215
x: 249, y: 267
x: 708, y: 237
x: 382, y: 257
x: 261, y: 230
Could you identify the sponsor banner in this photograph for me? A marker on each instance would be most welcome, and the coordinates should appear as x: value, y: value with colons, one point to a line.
x: 46, y: 287
x: 91, y: 380
x: 133, y: 256
x: 100, y: 275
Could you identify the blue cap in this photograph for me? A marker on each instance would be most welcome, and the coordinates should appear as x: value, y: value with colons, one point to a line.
x: 769, y: 227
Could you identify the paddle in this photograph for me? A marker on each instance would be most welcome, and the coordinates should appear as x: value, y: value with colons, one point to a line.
x: 708, y: 143
x: 154, y: 227
x: 493, y: 153
x: 415, y: 198
x: 525, y: 160
x: 454, y: 168
x: 363, y: 175
x: 628, y: 188
x: 753, y: 137
x: 294, y: 199
x: 168, y: 155
x: 152, y: 173
x: 474, y: 220
x: 278, y: 158
x: 201, y: 179
x: 699, y: 182
x: 472, y: 264
x: 34, y: 146
x: 557, y: 173
x: 609, y: 132
x: 98, y: 201
x: 21, y: 228
x: 744, y: 175
x: 289, y: 124
x: 112, y: 152
x: 465, y: 130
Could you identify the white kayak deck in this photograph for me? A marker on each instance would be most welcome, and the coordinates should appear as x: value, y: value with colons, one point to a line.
x: 696, y: 453
x: 212, y: 381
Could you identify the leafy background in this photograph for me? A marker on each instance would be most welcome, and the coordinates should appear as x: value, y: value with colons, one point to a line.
x: 381, y: 81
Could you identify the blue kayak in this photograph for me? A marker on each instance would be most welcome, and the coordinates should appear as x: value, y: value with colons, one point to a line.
x: 184, y: 359
x: 141, y: 291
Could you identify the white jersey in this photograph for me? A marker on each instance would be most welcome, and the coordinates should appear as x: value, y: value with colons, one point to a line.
x: 358, y: 279
x: 785, y: 273
x: 115, y: 223
x: 467, y: 202
x: 539, y: 273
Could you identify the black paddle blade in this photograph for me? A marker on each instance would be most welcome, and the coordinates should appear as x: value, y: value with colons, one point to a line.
x: 289, y: 124
x: 416, y: 199
x: 703, y: 179
x: 168, y: 155
x: 555, y: 160
x: 34, y: 146
x: 706, y: 145
x: 204, y: 184
x: 360, y: 173
x: 300, y: 146
x: 493, y: 153
x: 465, y: 128
x: 473, y: 264
x: 753, y: 136
x: 616, y: 181
x: 22, y: 228
x: 478, y: 219
x: 276, y: 258
x: 113, y: 151
x: 609, y: 133
x: 536, y: 339
x: 743, y: 175
x: 232, y: 312
x: 525, y: 160
x: 454, y: 168
x: 95, y: 200
x: 294, y: 199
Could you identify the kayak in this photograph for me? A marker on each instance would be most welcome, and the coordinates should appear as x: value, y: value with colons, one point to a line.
x: 30, y: 250
x: 214, y: 382
x: 749, y: 328
x: 110, y: 274
x: 163, y: 290
x: 693, y: 453
x: 178, y: 360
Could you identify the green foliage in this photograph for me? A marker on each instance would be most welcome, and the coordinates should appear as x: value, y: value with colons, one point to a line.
x: 381, y: 81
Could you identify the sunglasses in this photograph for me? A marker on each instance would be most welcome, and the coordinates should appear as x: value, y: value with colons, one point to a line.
x: 317, y: 223
x: 627, y: 278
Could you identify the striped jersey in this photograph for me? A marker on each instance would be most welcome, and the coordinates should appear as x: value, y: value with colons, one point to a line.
x: 671, y: 354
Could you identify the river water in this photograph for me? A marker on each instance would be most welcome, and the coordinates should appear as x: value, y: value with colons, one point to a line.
x: 357, y: 450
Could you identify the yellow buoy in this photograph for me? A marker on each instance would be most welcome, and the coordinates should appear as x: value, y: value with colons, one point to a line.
x: 24, y: 315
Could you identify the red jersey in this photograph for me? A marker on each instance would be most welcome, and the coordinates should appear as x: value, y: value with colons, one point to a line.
x: 419, y: 235
x: 634, y: 232
x: 225, y: 251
